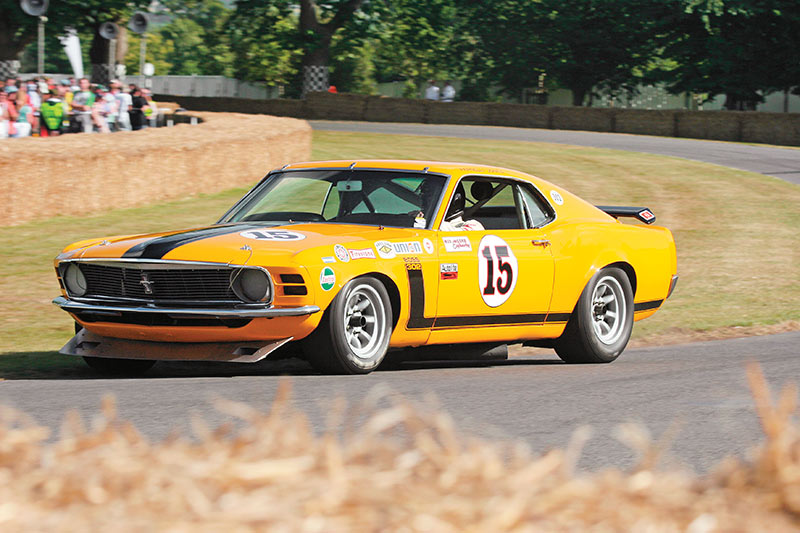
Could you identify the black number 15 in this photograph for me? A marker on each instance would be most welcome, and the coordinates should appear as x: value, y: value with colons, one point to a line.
x: 502, y: 266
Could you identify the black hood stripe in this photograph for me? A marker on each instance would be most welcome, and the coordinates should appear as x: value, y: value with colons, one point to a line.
x: 161, y: 246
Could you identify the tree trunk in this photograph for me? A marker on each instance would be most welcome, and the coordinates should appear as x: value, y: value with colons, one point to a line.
x: 318, y: 47
x: 578, y: 95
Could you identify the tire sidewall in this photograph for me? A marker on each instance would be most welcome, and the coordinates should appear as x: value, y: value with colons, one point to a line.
x: 340, y: 346
x: 605, y: 352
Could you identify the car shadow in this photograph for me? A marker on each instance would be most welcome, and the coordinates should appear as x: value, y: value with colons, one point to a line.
x: 54, y: 366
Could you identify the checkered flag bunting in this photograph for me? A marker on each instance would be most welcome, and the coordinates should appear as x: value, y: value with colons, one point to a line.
x: 315, y: 79
x: 8, y: 68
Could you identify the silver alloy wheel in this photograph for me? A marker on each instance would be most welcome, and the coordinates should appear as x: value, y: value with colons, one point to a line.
x: 608, y: 310
x: 364, y: 321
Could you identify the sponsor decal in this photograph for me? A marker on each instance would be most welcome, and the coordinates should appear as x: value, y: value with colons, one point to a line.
x: 405, y: 248
x: 341, y: 253
x: 448, y: 271
x: 272, y: 235
x: 497, y: 270
x: 327, y: 279
x: 557, y: 198
x: 428, y: 245
x: 647, y: 215
x: 364, y: 253
x: 412, y: 263
x: 457, y: 244
x: 329, y: 259
x: 385, y: 249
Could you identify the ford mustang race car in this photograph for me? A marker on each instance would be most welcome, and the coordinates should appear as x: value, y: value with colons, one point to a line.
x: 346, y: 262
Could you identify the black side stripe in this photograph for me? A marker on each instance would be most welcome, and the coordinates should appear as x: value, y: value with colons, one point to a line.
x: 161, y: 246
x: 416, y: 312
x: 644, y: 306
x: 417, y: 319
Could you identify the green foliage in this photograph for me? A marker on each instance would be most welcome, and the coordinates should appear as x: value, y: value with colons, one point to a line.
x: 740, y: 48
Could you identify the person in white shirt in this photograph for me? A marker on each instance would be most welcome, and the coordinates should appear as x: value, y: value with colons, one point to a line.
x: 432, y: 92
x: 448, y: 92
x: 124, y: 102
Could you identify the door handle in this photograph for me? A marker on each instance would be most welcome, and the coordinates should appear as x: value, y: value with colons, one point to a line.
x: 540, y: 242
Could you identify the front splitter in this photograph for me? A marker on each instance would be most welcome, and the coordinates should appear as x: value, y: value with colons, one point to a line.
x: 87, y: 344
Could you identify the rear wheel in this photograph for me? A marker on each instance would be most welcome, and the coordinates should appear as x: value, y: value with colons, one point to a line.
x: 601, y: 324
x: 353, y: 336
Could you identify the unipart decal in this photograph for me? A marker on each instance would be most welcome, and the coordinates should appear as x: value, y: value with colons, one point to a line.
x: 385, y: 249
x: 457, y: 244
x: 272, y: 235
x: 341, y: 253
x: 448, y: 271
x: 428, y: 245
x: 363, y: 253
x: 557, y: 198
x: 497, y: 270
x: 406, y: 248
x: 327, y: 279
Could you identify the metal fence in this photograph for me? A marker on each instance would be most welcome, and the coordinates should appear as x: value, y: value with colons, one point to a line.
x: 216, y: 86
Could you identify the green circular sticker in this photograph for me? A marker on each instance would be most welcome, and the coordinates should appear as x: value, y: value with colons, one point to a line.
x: 327, y: 279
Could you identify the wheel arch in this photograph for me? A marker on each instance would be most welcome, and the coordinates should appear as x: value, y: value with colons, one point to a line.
x: 392, y: 290
x: 629, y: 271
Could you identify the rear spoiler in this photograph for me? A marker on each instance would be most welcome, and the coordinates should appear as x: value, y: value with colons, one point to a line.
x: 642, y: 213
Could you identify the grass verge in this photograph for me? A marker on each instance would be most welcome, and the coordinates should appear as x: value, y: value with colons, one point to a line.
x: 736, y: 232
x: 402, y: 467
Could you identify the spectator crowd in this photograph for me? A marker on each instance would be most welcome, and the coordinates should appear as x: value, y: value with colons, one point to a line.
x: 48, y: 108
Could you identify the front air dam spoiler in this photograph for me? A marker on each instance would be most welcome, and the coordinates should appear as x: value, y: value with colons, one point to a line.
x: 87, y: 344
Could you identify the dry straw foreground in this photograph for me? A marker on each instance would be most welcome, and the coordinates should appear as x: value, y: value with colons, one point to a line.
x: 403, y: 469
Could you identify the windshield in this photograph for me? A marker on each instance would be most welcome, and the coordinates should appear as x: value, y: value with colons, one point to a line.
x: 380, y: 198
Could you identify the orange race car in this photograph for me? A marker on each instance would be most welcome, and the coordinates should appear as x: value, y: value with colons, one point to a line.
x: 344, y: 262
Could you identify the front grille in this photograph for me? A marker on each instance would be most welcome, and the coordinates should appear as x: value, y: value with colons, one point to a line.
x: 211, y: 284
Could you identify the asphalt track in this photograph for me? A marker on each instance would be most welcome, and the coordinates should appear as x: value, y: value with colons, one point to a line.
x: 783, y: 163
x: 700, y: 388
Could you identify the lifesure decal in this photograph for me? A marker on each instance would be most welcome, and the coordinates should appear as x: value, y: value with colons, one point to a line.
x: 557, y: 198
x: 385, y: 249
x: 341, y: 253
x: 448, y: 271
x: 457, y: 244
x: 272, y: 235
x: 497, y: 270
x: 364, y: 253
x: 327, y: 279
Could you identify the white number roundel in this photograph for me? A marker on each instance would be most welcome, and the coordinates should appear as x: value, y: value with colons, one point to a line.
x: 497, y: 270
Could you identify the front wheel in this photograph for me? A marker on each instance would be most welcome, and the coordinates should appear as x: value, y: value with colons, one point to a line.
x: 353, y: 336
x: 601, y: 324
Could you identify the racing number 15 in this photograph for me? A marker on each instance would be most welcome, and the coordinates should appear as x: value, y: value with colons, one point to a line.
x: 500, y: 252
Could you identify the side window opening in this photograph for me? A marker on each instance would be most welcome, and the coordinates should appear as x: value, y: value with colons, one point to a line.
x: 536, y: 212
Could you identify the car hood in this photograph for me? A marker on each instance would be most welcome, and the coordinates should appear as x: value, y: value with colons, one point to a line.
x: 233, y: 243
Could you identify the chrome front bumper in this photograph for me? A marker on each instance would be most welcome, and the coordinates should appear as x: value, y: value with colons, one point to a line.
x: 73, y: 306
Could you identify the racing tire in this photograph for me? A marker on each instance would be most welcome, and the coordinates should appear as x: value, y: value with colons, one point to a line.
x: 600, y: 326
x: 354, y: 333
x: 119, y: 367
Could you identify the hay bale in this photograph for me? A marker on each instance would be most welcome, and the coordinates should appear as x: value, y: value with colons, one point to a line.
x: 80, y: 174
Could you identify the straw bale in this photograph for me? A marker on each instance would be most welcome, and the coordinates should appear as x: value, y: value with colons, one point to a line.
x: 406, y: 468
x: 81, y: 174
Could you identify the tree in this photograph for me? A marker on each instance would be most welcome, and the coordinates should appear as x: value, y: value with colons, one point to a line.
x: 740, y: 48
x: 584, y: 45
x: 17, y: 29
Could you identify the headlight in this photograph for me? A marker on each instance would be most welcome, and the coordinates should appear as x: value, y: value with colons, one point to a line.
x: 251, y: 285
x: 74, y: 280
